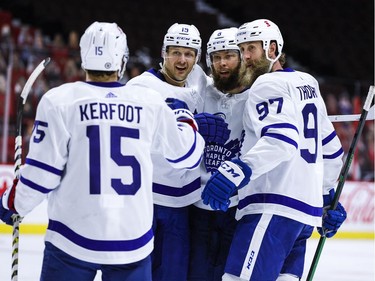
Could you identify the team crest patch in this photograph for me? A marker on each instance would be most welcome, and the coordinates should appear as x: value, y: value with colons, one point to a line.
x: 214, y: 154
x: 111, y: 95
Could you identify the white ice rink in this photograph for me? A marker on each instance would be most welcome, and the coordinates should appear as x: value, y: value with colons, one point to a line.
x: 341, y: 260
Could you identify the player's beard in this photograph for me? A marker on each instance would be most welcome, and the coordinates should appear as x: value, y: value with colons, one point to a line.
x: 227, y: 84
x: 258, y: 68
x: 246, y: 75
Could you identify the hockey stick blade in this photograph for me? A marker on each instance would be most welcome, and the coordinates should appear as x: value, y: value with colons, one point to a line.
x: 29, y: 83
x: 352, y: 117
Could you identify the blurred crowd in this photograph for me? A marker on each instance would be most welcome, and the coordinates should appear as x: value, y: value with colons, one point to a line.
x: 23, y: 47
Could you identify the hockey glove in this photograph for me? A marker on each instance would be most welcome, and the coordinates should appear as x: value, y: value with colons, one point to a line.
x: 332, y: 219
x: 185, y: 116
x: 176, y: 103
x: 212, y: 128
x: 229, y: 177
x: 7, y: 204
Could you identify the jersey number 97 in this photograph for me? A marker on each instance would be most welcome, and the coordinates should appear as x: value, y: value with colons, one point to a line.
x: 310, y: 126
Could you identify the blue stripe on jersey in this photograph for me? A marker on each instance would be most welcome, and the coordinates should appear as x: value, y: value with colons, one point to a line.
x: 283, y: 138
x: 100, y: 245
x: 196, y: 164
x: 43, y: 166
x: 268, y: 198
x: 279, y: 126
x: 329, y: 138
x: 280, y: 136
x: 187, y: 155
x: 34, y: 186
x: 176, y: 191
x: 334, y: 155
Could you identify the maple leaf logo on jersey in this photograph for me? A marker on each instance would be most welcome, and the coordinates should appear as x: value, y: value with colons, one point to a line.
x: 111, y: 95
x: 214, y: 153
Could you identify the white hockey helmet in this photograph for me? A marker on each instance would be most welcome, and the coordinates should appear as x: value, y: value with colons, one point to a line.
x: 183, y: 35
x: 261, y: 30
x: 104, y: 48
x: 221, y: 40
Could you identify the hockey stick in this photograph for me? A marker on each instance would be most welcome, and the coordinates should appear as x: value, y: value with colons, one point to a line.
x: 352, y: 117
x: 342, y: 177
x: 18, y: 159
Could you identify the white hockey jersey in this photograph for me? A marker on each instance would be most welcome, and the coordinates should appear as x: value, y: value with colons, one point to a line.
x: 175, y: 187
x: 230, y: 107
x: 291, y: 147
x: 90, y: 153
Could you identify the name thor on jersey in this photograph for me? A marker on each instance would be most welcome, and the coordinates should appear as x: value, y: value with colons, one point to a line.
x: 110, y: 111
x: 307, y: 92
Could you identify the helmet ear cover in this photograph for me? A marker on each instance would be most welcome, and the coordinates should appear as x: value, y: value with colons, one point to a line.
x: 104, y: 48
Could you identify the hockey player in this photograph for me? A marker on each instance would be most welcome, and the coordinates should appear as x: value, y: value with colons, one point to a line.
x: 90, y: 154
x: 290, y: 161
x: 182, y: 83
x: 212, y: 231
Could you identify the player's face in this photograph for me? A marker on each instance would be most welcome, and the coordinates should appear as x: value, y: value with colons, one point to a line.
x: 251, y: 51
x: 224, y: 62
x: 179, y: 62
x: 255, y: 62
x: 225, y: 69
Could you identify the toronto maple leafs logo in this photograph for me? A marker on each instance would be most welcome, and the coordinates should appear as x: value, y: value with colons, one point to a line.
x: 215, y: 153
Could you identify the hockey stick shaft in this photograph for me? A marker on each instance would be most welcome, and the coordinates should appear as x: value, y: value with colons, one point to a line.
x: 18, y: 159
x: 351, y: 117
x: 343, y: 174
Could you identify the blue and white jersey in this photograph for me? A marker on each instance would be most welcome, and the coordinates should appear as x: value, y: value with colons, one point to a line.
x: 90, y: 154
x: 291, y: 147
x: 175, y: 187
x: 230, y: 107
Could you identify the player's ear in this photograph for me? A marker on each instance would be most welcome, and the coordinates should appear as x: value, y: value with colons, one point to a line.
x: 272, y: 50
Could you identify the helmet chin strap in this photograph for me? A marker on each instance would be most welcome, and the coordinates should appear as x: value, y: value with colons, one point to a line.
x: 271, y: 65
x: 163, y: 70
x: 120, y: 73
x: 272, y: 61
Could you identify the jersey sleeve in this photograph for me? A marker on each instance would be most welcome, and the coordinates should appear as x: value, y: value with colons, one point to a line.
x: 178, y: 142
x: 270, y: 114
x: 44, y: 164
x: 332, y: 153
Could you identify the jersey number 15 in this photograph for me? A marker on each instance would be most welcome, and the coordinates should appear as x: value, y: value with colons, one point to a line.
x: 116, y: 134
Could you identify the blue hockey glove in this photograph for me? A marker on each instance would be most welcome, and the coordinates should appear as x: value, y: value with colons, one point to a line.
x: 212, y: 128
x: 229, y: 177
x: 176, y: 103
x: 7, y: 204
x: 332, y: 219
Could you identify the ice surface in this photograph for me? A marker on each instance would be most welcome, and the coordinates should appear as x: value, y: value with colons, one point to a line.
x: 341, y: 260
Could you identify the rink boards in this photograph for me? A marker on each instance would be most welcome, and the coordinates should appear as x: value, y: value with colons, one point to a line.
x: 357, y: 198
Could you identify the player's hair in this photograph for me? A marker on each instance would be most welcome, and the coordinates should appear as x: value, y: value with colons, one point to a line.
x: 282, y: 59
x: 99, y: 73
